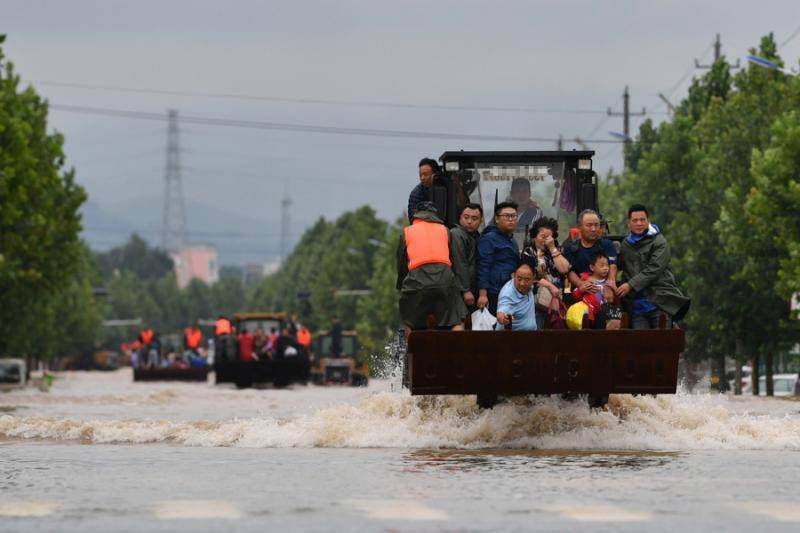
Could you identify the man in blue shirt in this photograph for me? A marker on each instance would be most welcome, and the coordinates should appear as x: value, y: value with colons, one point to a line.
x: 515, y: 304
x: 589, y: 244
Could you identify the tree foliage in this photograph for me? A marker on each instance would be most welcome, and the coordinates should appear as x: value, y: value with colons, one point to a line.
x: 354, y: 252
x: 141, y: 284
x: 331, y: 257
x: 137, y: 257
x: 711, y: 177
x: 45, y: 286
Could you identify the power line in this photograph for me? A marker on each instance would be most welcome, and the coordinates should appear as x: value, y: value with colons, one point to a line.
x: 307, y: 128
x: 791, y: 37
x: 688, y: 72
x: 283, y: 99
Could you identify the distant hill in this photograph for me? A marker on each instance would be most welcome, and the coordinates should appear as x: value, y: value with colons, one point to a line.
x: 240, y: 238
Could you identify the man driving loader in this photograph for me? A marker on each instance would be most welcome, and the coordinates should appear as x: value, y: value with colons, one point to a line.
x: 425, y: 276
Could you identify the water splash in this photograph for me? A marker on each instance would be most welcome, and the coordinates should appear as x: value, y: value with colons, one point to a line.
x: 398, y: 420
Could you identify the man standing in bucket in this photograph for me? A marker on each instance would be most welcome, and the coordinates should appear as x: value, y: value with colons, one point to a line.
x: 425, y: 276
x: 498, y: 255
x: 649, y: 289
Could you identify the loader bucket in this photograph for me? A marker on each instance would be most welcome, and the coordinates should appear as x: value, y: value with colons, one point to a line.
x: 509, y: 363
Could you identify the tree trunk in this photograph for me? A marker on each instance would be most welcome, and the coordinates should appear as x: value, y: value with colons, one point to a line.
x: 754, y: 374
x: 768, y: 373
x: 737, y: 372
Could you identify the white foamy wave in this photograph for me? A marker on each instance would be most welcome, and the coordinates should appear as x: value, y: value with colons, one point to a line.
x: 680, y: 422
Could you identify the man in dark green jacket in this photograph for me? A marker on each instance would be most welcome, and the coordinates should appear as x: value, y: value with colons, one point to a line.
x: 424, y: 274
x: 464, y: 251
x: 648, y: 287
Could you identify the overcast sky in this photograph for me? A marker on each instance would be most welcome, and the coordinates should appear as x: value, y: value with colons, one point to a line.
x: 565, y: 62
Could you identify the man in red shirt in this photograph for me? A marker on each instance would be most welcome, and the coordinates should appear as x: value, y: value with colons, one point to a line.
x: 245, y: 346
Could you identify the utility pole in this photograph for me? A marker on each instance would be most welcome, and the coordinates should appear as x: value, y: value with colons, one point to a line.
x: 286, y: 222
x: 560, y: 143
x: 173, y: 228
x: 626, y: 118
x: 717, y: 55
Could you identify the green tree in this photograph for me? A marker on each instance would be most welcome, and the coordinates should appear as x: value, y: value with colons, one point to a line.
x: 199, y: 301
x: 378, y: 315
x: 228, y: 296
x: 331, y: 256
x: 694, y: 173
x: 40, y: 250
x: 135, y: 256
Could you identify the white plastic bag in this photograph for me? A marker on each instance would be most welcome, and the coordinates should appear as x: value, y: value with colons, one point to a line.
x: 483, y: 320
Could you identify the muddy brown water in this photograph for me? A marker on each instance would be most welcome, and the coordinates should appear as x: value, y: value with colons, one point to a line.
x: 101, y: 453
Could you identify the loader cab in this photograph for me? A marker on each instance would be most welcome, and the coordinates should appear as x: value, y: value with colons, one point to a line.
x: 346, y: 369
x: 554, y: 184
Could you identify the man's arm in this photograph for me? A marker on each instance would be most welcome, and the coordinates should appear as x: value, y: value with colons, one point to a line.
x: 611, y: 252
x: 561, y: 263
x: 503, y: 307
x: 580, y: 284
x: 413, y: 199
x: 611, y: 279
x: 484, y: 262
x: 658, y: 262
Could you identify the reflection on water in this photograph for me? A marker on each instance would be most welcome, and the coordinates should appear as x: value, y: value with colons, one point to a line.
x: 511, y: 459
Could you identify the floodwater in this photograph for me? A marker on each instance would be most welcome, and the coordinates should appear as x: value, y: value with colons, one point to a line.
x: 101, y: 453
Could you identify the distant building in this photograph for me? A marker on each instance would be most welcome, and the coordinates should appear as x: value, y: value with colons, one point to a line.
x: 271, y: 268
x: 196, y: 260
x: 253, y: 273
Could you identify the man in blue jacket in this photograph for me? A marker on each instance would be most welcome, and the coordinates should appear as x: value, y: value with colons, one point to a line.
x: 498, y: 255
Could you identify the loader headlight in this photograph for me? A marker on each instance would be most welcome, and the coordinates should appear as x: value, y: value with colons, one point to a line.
x: 584, y: 164
x: 451, y: 166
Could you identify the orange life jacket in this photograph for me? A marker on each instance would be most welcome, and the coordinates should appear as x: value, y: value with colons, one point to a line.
x: 427, y: 242
x: 223, y: 327
x: 304, y: 337
x: 193, y: 338
x: 147, y: 336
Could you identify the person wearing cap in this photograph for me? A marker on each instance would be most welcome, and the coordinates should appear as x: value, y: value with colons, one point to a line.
x: 425, y: 277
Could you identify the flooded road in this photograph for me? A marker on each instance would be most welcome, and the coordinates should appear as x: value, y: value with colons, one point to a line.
x: 101, y: 453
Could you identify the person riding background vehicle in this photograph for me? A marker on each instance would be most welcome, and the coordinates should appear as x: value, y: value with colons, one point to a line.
x: 223, y: 331
x: 424, y: 274
x: 286, y: 345
x: 498, y: 255
x: 146, y: 338
x: 245, y: 345
x: 192, y: 339
x: 304, y: 337
x: 259, y: 342
x: 648, y: 285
